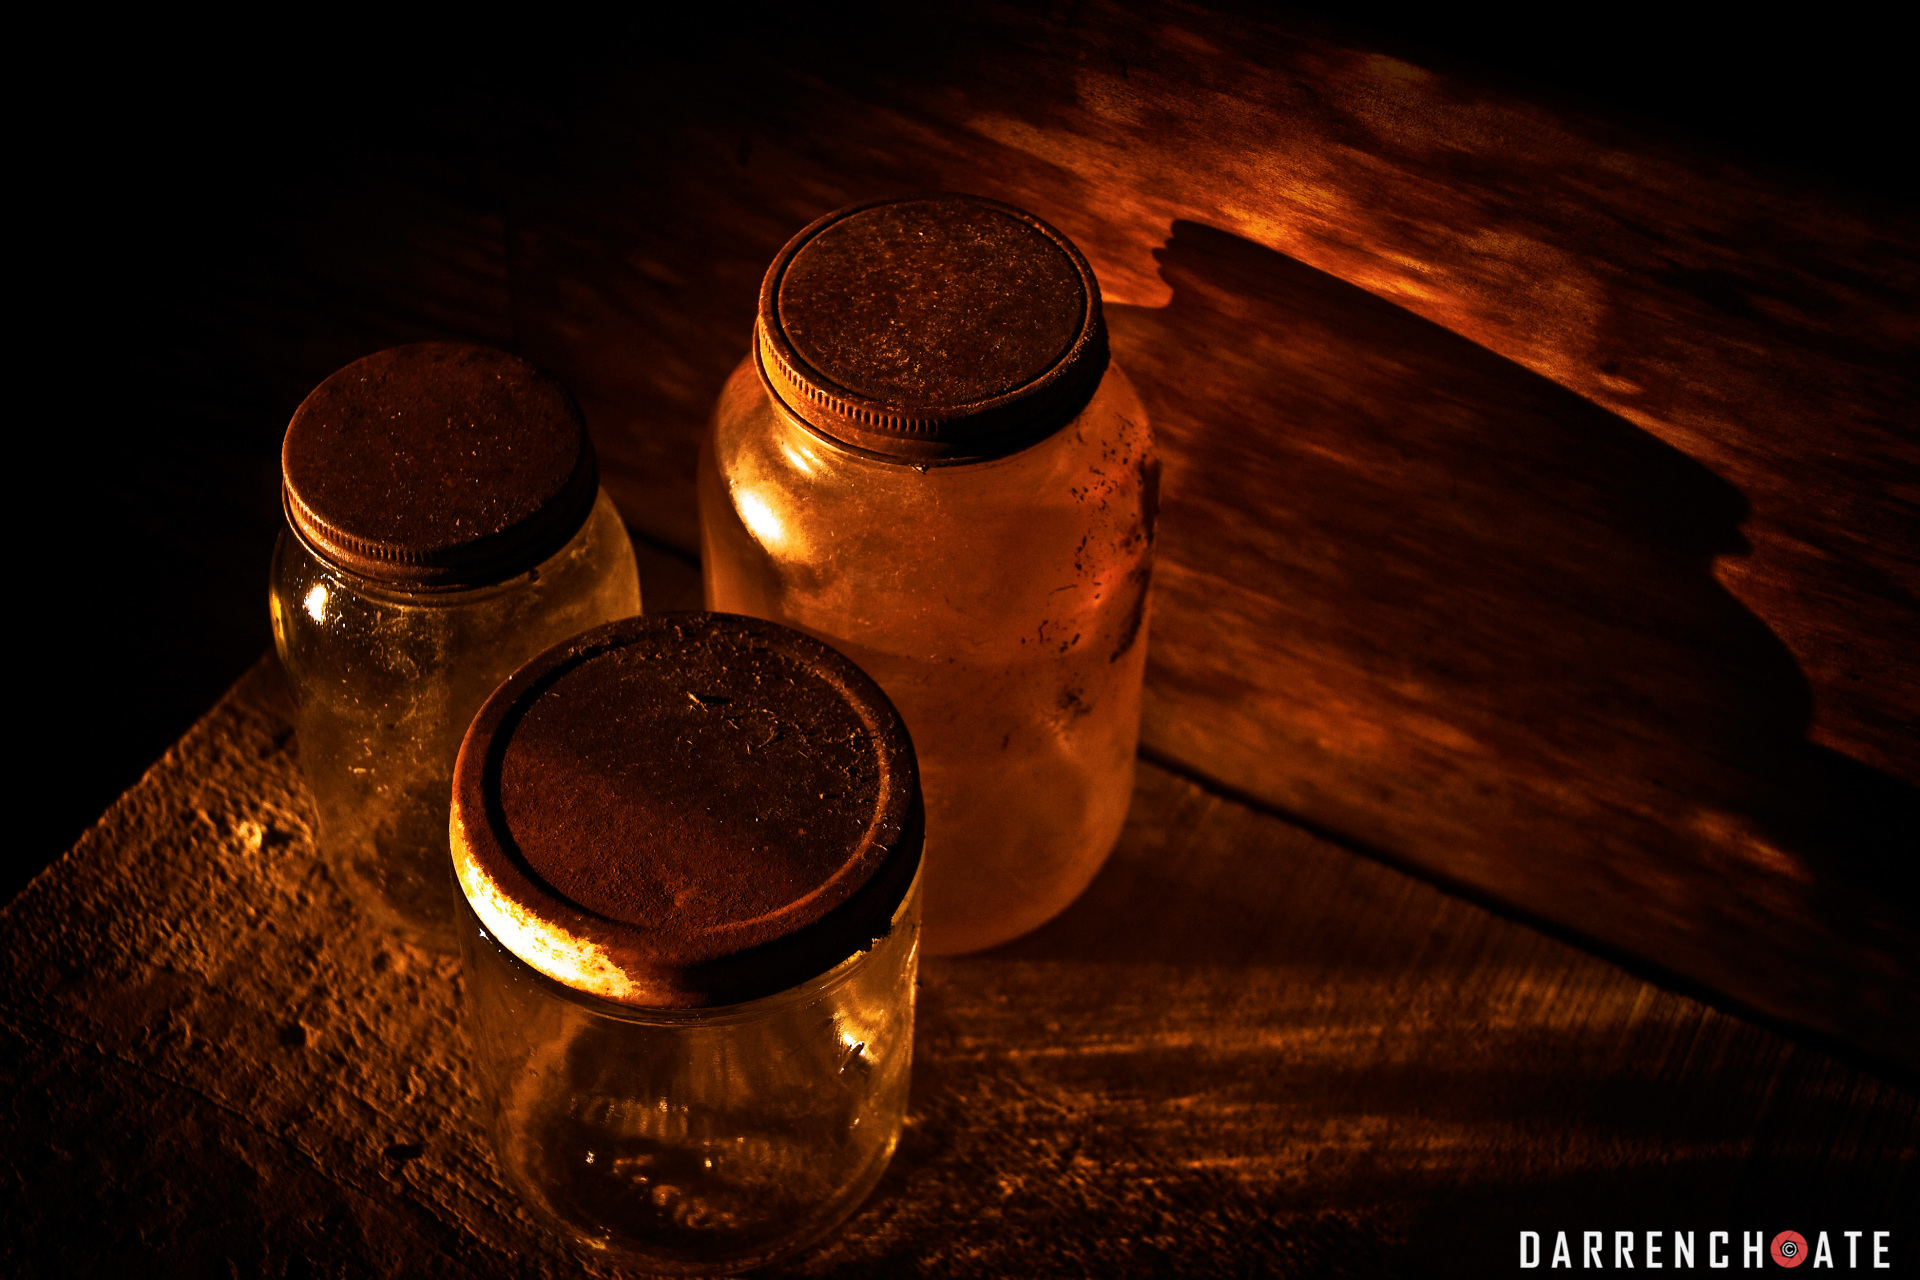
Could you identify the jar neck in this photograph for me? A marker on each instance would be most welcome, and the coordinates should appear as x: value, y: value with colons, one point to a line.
x: 436, y: 596
x: 905, y: 917
x: 488, y: 574
x: 1030, y: 438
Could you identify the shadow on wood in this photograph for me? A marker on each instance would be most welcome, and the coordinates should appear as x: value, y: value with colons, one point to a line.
x: 1437, y: 604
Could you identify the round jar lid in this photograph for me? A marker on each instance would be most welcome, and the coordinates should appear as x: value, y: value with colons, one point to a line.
x: 438, y: 465
x: 931, y: 329
x: 686, y: 809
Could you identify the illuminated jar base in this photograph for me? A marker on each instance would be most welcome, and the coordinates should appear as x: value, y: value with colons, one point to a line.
x: 697, y: 1141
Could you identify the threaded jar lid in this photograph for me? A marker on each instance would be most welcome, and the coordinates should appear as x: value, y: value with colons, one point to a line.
x: 931, y: 329
x: 686, y: 809
x: 438, y: 465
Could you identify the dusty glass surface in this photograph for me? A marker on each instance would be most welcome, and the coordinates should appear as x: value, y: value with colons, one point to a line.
x: 696, y: 1141
x: 1002, y: 606
x: 385, y: 683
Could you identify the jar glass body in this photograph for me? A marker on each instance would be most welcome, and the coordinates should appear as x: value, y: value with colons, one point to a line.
x: 696, y: 1141
x: 385, y: 682
x: 1002, y: 605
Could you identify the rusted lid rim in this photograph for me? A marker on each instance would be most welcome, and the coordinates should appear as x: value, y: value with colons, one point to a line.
x: 745, y: 1009
x: 480, y: 563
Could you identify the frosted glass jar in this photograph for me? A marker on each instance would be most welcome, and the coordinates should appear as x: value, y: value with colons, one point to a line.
x: 688, y: 848
x: 445, y: 524
x: 929, y: 461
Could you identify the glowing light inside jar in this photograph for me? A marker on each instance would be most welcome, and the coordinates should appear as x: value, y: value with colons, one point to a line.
x: 759, y: 517
x: 801, y: 457
x: 316, y: 603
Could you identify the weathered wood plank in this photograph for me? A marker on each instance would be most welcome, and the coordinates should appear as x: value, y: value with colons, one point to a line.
x: 1539, y: 505
x: 1244, y: 1049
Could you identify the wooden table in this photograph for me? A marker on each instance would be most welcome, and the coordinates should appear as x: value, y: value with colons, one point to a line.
x: 1524, y: 838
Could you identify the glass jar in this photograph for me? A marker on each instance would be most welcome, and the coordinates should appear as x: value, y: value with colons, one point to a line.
x: 688, y: 850
x: 929, y: 461
x: 444, y: 524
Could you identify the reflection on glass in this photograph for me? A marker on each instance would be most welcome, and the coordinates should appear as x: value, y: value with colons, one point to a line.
x: 385, y: 683
x: 1002, y: 605
x: 697, y: 1141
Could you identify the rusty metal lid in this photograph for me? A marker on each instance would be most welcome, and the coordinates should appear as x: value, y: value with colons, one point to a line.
x: 437, y: 465
x: 686, y: 809
x: 932, y: 329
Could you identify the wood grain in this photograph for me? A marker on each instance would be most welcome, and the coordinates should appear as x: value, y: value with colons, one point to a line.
x: 1540, y: 507
x: 1245, y: 1050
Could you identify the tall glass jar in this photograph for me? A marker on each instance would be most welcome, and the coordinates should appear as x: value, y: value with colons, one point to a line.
x: 929, y: 461
x: 444, y: 524
x: 687, y: 847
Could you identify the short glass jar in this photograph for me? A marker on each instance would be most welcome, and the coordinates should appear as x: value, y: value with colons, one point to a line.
x: 929, y: 461
x: 688, y: 850
x: 444, y: 524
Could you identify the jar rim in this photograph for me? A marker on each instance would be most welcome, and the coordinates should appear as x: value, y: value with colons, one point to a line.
x: 448, y: 595
x: 710, y: 1015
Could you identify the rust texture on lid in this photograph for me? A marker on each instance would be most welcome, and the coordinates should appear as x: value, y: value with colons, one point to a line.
x: 438, y: 465
x: 686, y: 809
x: 932, y: 329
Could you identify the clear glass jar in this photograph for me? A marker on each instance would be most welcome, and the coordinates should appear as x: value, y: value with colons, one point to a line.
x: 688, y: 848
x: 696, y: 1141
x: 388, y: 660
x: 997, y: 589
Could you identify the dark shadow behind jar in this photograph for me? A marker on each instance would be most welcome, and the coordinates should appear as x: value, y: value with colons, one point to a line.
x: 929, y: 461
x: 444, y: 524
x: 688, y: 849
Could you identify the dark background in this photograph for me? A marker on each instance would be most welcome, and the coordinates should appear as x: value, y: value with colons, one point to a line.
x: 190, y: 275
